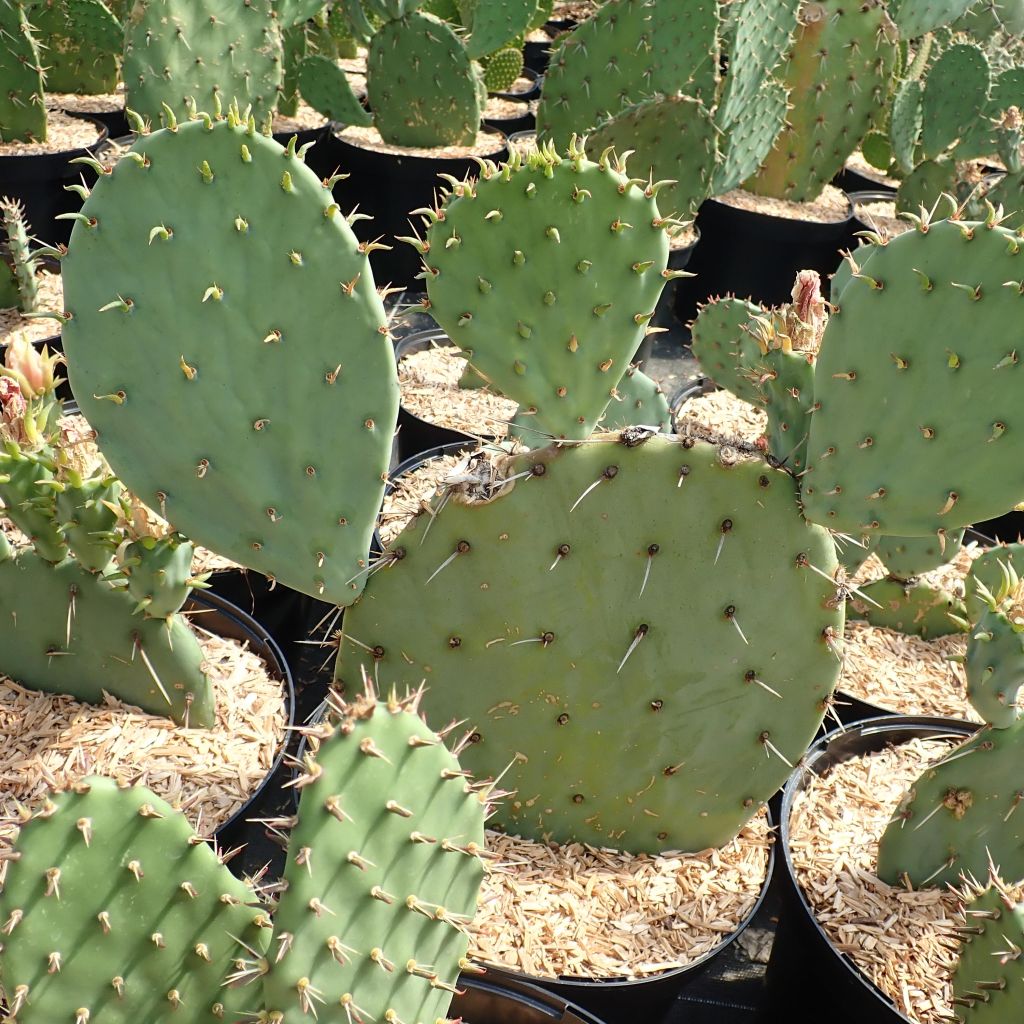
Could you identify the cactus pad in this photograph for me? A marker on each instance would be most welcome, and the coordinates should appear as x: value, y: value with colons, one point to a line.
x: 501, y: 69
x: 496, y: 24
x: 955, y: 93
x: 547, y: 271
x: 420, y: 84
x: 907, y: 557
x: 619, y: 637
x: 639, y: 402
x: 325, y: 87
x: 83, y: 44
x: 116, y: 912
x: 988, y: 569
x: 22, y: 103
x: 946, y: 368
x: 909, y: 607
x: 213, y: 53
x: 725, y: 348
x: 277, y: 395
x: 960, y: 813
x: 916, y: 17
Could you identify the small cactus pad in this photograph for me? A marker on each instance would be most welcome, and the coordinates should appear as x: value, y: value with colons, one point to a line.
x: 639, y: 402
x: 384, y: 868
x: 617, y: 609
x: 995, y: 655
x: 212, y: 54
x: 22, y: 104
x: 325, y: 87
x: 916, y: 429
x: 908, y: 606
x: 24, y: 265
x: 673, y: 139
x: 546, y: 273
x: 262, y: 425
x: 960, y: 813
x: 988, y: 569
x: 628, y: 50
x: 916, y: 17
x: 502, y: 69
x: 497, y: 24
x: 116, y: 913
x: 988, y: 981
x: 725, y: 348
x: 955, y: 93
x: 420, y: 85
x: 83, y: 44
x: 65, y: 630
x: 837, y: 74
x: 907, y: 557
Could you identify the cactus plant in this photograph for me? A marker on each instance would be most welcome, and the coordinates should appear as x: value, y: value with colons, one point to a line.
x: 227, y: 206
x: 24, y: 263
x: 724, y: 348
x: 566, y: 621
x: 83, y: 43
x: 22, y: 103
x: 638, y: 401
x: 986, y: 574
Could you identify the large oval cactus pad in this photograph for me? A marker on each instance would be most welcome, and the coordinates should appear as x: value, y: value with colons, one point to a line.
x: 229, y: 347
x: 635, y: 629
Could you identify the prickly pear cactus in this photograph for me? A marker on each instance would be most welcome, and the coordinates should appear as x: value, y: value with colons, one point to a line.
x: 212, y: 54
x: 325, y: 87
x: 837, y: 74
x: 114, y: 911
x: 87, y: 509
x: 639, y: 402
x: 384, y: 867
x: 916, y: 17
x: 955, y: 93
x: 987, y: 573
x: 915, y: 431
x: 159, y: 572
x: 724, y: 346
x: 673, y: 139
x: 83, y: 44
x: 23, y: 262
x: 420, y: 84
x: 995, y: 653
x: 494, y: 25
x: 22, y: 102
x: 988, y: 982
x: 546, y: 274
x: 502, y: 68
x: 243, y: 248
x: 907, y: 557
x: 961, y: 815
x: 908, y: 606
x: 555, y: 612
x: 628, y: 50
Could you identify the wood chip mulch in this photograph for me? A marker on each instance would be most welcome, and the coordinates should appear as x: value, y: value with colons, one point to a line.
x: 50, y: 299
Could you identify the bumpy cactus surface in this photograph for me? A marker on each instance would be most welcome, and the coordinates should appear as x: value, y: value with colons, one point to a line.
x: 955, y: 93
x: 22, y: 103
x: 908, y: 606
x: 566, y: 621
x: 907, y: 557
x: 245, y: 251
x: 23, y: 263
x: 725, y: 347
x: 114, y: 911
x: 212, y: 54
x: 546, y: 272
x: 914, y: 434
x: 83, y: 44
x: 916, y: 17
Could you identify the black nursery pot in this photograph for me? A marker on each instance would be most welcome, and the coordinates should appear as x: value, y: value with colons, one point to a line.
x: 537, y: 55
x: 115, y: 121
x: 509, y: 126
x: 387, y: 186
x: 492, y: 1000
x: 38, y: 182
x: 416, y: 435
x: 757, y: 255
x: 850, y: 181
x: 646, y: 999
x: 808, y: 979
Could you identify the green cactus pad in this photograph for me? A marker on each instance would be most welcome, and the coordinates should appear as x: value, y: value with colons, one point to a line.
x: 945, y: 368
x: 159, y: 573
x: 595, y: 622
x: 837, y: 74
x: 23, y: 264
x: 628, y: 50
x: 910, y: 607
x: 724, y: 348
x: 548, y: 272
x: 295, y: 46
x: 292, y: 13
x: 496, y: 24
x: 22, y: 103
x: 995, y: 665
x: 274, y: 402
x: 83, y: 44
x: 28, y: 501
x: 924, y: 186
x: 749, y: 140
x: 905, y: 120
x: 325, y: 87
x: 673, y: 139
x: 420, y: 85
x: 212, y: 53
x: 502, y: 69
x: 987, y: 569
x: 988, y: 981
x: 88, y: 511
x: 384, y: 869
x: 907, y: 557
x: 916, y: 17
x: 975, y: 794
x: 956, y: 91
x: 640, y: 403
x: 116, y: 913
x: 66, y: 630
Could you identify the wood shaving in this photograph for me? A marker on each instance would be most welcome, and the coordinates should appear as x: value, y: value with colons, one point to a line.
x: 722, y: 414
x: 949, y: 576
x: 49, y: 740
x: 304, y: 118
x: 524, y: 143
x: 830, y: 207
x: 50, y: 299
x: 500, y: 109
x: 429, y: 382
x: 582, y: 912
x: 95, y: 103
x: 487, y: 144
x: 64, y: 133
x: 903, y: 941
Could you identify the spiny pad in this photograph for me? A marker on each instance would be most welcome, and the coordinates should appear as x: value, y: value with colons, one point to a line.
x: 383, y: 873
x: 114, y: 912
x: 112, y: 650
x: 724, y: 347
x: 621, y: 638
x: 994, y: 665
x: 640, y: 402
x: 546, y: 273
x: 918, y: 382
x: 907, y: 557
x: 960, y: 813
x: 261, y: 426
x: 987, y: 569
x: 22, y: 104
x: 908, y: 606
x: 83, y: 44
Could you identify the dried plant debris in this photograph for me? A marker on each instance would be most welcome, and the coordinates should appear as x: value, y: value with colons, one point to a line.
x: 722, y: 414
x: 50, y: 300
x: 583, y: 912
